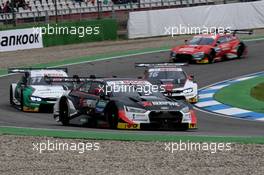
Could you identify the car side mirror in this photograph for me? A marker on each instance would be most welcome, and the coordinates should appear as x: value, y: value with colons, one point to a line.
x: 24, y: 81
x: 22, y: 85
x: 191, y: 77
x: 217, y: 43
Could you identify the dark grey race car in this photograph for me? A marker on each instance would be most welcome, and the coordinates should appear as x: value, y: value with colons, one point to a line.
x: 122, y: 103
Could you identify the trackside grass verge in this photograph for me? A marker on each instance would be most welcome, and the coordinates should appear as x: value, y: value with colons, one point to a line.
x: 126, y: 136
x: 239, y: 95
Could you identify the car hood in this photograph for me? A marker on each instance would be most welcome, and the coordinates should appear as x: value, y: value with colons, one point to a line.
x: 191, y: 49
x: 154, y: 103
x: 47, y: 91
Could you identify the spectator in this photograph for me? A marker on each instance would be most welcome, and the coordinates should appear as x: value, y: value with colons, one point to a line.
x: 28, y: 6
x: 92, y: 2
x: 7, y: 8
x: 22, y: 3
x: 2, y: 7
x: 105, y: 2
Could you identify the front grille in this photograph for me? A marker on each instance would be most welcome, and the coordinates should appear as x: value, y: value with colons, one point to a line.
x: 184, y: 57
x: 165, y: 117
x: 177, y: 91
x: 46, y: 108
x: 49, y: 99
x: 179, y: 97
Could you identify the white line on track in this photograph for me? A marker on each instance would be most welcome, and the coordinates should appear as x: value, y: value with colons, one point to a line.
x: 223, y: 115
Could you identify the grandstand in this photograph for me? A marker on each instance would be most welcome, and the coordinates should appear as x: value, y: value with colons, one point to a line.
x: 46, y: 8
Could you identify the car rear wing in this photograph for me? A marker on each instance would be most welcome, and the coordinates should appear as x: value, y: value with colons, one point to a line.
x: 163, y: 64
x: 24, y: 70
x: 67, y: 79
x: 242, y: 31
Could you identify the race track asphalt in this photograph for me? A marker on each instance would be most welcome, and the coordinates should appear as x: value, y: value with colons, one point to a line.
x: 208, y: 124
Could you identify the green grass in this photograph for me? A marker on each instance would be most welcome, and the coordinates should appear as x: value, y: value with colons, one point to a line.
x: 126, y: 136
x: 239, y: 95
x: 258, y: 92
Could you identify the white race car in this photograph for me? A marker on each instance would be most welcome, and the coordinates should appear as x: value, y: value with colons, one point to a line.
x: 171, y: 76
x: 32, y: 93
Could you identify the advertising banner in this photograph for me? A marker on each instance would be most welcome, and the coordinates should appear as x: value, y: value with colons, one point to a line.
x: 20, y: 39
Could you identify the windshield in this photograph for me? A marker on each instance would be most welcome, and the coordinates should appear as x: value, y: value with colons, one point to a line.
x: 164, y: 75
x: 133, y: 90
x: 201, y: 41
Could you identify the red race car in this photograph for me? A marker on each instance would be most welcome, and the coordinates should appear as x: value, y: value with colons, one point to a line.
x: 209, y: 48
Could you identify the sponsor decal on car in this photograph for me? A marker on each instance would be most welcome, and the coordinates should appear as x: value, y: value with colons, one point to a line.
x: 128, y: 126
x: 170, y: 69
x: 186, y: 49
x: 165, y: 103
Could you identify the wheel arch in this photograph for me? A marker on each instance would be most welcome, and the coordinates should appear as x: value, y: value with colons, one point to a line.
x: 62, y: 100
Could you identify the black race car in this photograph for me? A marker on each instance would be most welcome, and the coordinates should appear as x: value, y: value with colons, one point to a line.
x: 122, y: 103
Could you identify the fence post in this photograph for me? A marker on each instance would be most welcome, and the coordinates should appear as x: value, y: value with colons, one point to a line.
x: 13, y: 12
x: 46, y: 17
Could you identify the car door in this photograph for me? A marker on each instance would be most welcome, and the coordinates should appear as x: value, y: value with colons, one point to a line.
x: 233, y: 42
x: 86, y: 96
x: 224, y: 45
x: 97, y: 92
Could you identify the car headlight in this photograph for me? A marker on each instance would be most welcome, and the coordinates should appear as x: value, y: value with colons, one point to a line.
x: 35, y: 99
x: 134, y: 110
x: 185, y: 109
x: 198, y: 55
x: 189, y: 90
x: 173, y: 54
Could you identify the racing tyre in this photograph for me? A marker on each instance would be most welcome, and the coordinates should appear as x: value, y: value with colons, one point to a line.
x: 22, y: 101
x: 64, y: 113
x: 184, y: 126
x: 240, y: 50
x: 112, y: 117
x: 11, y: 96
x: 211, y: 57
